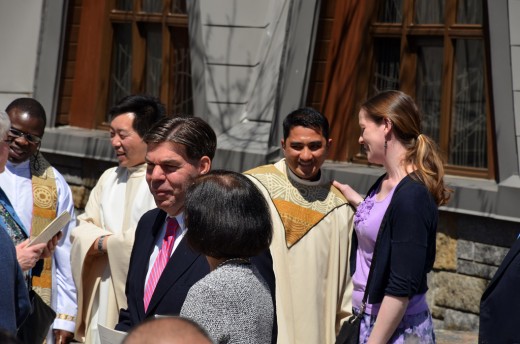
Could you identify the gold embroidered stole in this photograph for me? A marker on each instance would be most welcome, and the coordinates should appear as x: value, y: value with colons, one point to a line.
x: 45, y: 202
x: 301, y: 207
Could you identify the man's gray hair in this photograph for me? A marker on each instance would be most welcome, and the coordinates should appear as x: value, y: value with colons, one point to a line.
x: 5, y: 124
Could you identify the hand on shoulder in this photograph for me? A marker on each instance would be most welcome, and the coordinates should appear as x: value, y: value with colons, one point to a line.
x: 350, y: 194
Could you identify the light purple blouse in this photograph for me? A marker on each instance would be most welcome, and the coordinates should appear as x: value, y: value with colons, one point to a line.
x: 367, y: 222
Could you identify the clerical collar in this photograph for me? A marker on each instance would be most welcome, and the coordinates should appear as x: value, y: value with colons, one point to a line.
x: 21, y: 165
x: 299, y: 180
x: 135, y: 168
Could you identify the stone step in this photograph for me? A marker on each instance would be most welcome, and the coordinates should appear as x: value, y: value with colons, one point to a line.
x: 457, y: 337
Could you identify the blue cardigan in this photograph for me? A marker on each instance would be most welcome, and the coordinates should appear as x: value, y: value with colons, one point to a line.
x: 14, y: 296
x: 406, y: 243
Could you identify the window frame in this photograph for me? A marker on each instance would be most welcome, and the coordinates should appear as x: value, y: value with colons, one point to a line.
x: 407, y: 32
x: 89, y: 105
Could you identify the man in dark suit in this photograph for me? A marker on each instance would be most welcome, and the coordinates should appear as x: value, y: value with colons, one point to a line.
x: 178, y: 150
x: 500, y: 303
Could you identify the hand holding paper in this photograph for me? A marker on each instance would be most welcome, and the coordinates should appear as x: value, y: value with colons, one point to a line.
x: 51, y: 245
x: 28, y: 256
x: 52, y: 229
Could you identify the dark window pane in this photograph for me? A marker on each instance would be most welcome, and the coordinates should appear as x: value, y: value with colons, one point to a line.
x: 469, y: 12
x: 154, y: 6
x: 120, y: 72
x: 181, y: 99
x: 179, y: 6
x: 468, y: 145
x: 153, y: 59
x: 428, y: 88
x: 429, y: 11
x: 391, y: 11
x: 124, y: 5
x: 387, y: 59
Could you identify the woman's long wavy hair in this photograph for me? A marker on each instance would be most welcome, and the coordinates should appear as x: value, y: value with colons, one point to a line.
x: 422, y: 152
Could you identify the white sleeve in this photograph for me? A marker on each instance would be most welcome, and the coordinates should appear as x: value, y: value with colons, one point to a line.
x: 65, y: 305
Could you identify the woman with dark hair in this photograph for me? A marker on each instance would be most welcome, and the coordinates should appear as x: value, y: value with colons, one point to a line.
x: 228, y: 220
x: 397, y: 221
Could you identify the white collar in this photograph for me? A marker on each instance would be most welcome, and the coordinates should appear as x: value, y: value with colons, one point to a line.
x: 20, y: 166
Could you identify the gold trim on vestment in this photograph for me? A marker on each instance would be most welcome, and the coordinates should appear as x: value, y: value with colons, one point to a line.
x: 301, y: 207
x: 45, y: 202
x: 67, y: 317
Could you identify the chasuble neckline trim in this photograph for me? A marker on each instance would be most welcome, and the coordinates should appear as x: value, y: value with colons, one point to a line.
x: 300, y: 207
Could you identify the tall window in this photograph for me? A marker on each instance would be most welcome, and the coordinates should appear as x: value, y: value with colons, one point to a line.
x: 436, y: 52
x: 150, y: 52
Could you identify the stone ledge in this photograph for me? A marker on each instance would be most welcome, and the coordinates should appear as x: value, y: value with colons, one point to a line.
x: 472, y: 196
x: 459, y: 337
x: 78, y: 142
x: 246, y: 145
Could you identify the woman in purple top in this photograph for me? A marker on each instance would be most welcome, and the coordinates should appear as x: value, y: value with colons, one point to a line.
x: 400, y: 211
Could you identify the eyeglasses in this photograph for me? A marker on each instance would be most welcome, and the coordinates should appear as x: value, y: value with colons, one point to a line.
x: 15, y: 133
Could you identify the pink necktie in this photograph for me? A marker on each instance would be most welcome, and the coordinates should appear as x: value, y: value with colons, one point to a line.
x: 161, y: 260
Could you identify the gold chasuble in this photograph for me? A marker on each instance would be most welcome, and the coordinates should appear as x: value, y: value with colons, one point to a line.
x: 301, y: 207
x: 312, y: 224
x: 45, y: 201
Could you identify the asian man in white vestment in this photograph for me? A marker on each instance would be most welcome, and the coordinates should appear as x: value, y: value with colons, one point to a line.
x: 103, y: 240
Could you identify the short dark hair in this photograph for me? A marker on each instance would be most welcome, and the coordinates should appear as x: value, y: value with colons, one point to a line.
x: 29, y: 105
x: 147, y: 109
x: 306, y: 117
x: 192, y: 132
x: 227, y: 216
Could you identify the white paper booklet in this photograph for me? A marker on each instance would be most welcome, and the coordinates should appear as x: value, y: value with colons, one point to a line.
x: 52, y: 229
x: 110, y: 336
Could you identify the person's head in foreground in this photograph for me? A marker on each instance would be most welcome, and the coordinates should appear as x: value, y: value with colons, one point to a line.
x: 227, y: 217
x: 305, y: 142
x: 168, y: 330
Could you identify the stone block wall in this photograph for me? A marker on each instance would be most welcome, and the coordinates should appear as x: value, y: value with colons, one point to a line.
x: 469, y: 251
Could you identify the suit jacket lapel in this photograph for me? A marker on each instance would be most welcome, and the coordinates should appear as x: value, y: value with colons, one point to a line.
x: 180, y: 261
x: 147, y: 245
